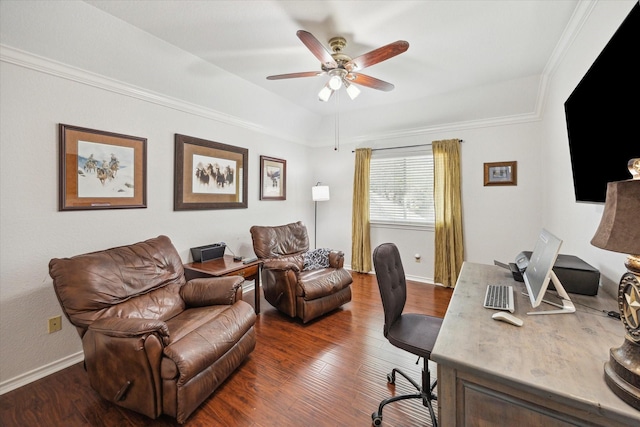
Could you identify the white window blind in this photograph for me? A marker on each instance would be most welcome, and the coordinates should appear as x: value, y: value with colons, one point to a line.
x: 401, y: 187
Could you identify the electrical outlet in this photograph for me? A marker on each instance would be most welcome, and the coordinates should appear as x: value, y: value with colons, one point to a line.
x: 55, y: 324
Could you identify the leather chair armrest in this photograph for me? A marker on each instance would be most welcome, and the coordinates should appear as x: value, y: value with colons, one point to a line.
x: 212, y: 291
x: 281, y: 265
x: 119, y: 327
x: 336, y: 259
x: 295, y: 263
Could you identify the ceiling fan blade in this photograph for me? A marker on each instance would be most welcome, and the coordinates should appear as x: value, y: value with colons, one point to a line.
x: 368, y: 81
x: 295, y: 75
x: 380, y: 54
x: 318, y: 50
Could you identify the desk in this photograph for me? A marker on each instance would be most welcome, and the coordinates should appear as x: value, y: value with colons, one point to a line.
x: 226, y: 266
x: 548, y: 372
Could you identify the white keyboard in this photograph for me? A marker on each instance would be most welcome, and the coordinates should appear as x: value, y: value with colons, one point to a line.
x: 499, y: 297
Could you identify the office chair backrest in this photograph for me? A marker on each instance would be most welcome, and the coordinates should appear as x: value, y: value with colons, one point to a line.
x: 391, y: 282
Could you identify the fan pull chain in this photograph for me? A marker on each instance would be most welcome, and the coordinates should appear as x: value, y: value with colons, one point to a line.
x: 336, y: 146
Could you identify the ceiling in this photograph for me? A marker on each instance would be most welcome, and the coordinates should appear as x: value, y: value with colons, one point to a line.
x: 454, y: 46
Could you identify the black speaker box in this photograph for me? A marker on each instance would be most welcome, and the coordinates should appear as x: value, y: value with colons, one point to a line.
x: 208, y: 252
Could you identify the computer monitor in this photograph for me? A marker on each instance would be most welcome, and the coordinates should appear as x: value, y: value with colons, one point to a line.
x: 539, y: 273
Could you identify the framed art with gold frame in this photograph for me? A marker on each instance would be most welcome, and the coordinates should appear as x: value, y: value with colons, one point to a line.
x: 501, y: 173
x: 101, y: 170
x: 209, y: 175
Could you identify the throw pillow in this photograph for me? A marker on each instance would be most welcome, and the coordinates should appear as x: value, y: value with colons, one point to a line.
x: 315, y: 259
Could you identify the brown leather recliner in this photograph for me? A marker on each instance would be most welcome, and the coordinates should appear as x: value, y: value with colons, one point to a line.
x: 152, y: 342
x: 299, y: 290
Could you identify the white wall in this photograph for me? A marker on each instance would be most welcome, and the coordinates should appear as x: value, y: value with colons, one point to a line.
x: 37, y: 94
x: 577, y: 222
x: 499, y: 222
x: 33, y: 231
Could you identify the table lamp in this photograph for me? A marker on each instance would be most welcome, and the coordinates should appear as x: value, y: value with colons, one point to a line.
x: 319, y: 193
x: 619, y: 231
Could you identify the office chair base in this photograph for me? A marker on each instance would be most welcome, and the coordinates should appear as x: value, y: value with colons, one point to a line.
x: 427, y: 395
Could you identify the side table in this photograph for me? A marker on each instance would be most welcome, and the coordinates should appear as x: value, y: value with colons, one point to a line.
x: 226, y: 266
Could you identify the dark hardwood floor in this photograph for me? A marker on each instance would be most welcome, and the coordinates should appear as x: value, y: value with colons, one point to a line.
x: 329, y: 372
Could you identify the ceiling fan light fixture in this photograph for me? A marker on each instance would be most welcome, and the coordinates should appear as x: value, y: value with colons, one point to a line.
x: 341, y: 68
x: 352, y: 90
x: 335, y: 82
x: 325, y: 93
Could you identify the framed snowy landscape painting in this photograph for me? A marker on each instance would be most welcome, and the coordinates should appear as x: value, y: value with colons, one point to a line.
x: 101, y: 170
x: 273, y: 178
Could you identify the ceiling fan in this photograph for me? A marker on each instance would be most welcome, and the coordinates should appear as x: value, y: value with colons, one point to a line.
x: 343, y: 70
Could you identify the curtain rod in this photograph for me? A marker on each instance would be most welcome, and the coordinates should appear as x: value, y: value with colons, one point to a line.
x: 404, y: 146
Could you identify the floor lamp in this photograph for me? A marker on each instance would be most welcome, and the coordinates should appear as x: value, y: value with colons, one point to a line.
x: 319, y: 193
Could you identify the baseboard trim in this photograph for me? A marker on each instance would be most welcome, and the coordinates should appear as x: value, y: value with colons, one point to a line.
x: 419, y: 279
x: 41, y: 372
x: 58, y: 365
x: 65, y: 362
x: 248, y: 285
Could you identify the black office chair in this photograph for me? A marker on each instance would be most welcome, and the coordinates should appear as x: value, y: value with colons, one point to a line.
x: 415, y: 333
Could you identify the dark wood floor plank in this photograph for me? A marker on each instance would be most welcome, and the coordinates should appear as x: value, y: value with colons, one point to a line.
x: 330, y: 372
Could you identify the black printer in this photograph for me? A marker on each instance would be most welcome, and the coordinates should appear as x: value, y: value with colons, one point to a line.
x: 576, y: 276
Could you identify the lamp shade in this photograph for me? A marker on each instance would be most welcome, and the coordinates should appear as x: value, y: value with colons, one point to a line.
x: 619, y: 229
x: 352, y: 90
x: 325, y: 93
x: 335, y: 82
x: 320, y: 193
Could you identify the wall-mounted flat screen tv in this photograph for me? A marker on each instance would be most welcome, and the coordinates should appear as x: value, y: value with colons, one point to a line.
x: 603, y: 114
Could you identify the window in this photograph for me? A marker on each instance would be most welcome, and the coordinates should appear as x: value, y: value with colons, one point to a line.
x: 401, y: 187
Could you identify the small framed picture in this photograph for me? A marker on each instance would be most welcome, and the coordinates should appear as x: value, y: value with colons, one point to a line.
x: 101, y: 170
x: 501, y: 173
x: 209, y: 175
x: 273, y: 178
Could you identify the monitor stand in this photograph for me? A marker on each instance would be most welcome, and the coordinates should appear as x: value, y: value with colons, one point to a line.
x: 566, y: 306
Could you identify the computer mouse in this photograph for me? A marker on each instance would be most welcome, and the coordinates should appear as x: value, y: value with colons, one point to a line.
x: 507, y: 317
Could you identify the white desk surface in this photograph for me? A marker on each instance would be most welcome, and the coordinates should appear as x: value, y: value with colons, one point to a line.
x: 558, y: 356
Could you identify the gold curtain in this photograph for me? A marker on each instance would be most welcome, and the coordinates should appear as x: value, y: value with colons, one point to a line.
x: 449, y: 249
x: 361, y: 240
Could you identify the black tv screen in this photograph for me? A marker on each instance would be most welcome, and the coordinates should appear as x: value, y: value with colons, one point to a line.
x: 603, y: 114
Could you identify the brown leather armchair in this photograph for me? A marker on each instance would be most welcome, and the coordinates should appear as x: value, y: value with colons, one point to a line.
x: 152, y: 342
x: 290, y: 284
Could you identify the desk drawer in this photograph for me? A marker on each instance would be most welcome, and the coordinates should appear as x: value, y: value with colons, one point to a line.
x: 245, y: 272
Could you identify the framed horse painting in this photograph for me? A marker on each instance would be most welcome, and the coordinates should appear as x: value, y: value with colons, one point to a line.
x: 273, y: 178
x: 101, y: 170
x: 209, y: 175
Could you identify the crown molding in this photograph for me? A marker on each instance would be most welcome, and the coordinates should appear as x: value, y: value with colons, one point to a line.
x: 45, y: 65
x: 449, y: 127
x: 51, y: 67
x: 580, y: 15
x: 578, y: 19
